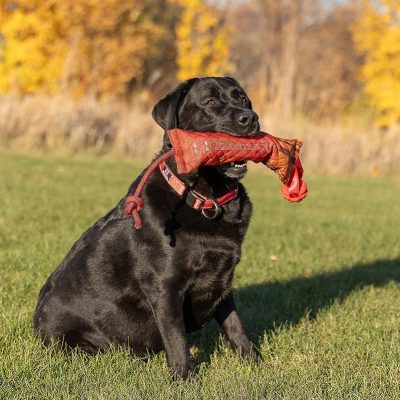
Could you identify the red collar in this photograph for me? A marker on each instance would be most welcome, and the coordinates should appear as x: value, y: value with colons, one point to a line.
x: 195, y: 199
x: 133, y: 202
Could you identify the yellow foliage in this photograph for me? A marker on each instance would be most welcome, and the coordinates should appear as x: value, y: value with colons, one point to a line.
x: 31, y: 60
x: 85, y: 46
x: 109, y: 43
x: 101, y: 47
x: 202, y: 43
x: 377, y: 36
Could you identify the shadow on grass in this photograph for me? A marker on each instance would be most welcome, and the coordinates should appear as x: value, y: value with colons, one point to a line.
x: 265, y: 307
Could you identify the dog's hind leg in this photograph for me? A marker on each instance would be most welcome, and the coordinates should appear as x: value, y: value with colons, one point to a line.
x: 89, y: 341
x: 67, y: 331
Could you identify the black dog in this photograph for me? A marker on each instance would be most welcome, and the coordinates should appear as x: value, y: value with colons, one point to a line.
x: 148, y: 288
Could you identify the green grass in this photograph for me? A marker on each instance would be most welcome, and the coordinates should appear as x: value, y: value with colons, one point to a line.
x: 317, y: 288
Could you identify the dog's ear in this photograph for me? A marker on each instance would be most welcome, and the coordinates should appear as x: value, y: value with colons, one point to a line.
x: 166, y: 111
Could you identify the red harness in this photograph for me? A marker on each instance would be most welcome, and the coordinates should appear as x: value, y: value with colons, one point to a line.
x: 133, y: 204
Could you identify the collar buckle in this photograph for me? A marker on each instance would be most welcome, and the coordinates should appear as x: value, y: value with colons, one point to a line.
x: 216, y: 210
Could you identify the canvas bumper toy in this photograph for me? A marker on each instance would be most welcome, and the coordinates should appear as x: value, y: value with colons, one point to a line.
x: 194, y: 149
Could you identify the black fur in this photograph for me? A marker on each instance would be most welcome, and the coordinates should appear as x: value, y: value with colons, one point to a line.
x: 148, y: 288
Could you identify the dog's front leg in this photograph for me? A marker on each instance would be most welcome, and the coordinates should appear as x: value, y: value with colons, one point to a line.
x: 229, y: 320
x: 168, y: 312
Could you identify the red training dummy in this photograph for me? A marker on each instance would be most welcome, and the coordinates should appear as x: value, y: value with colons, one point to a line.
x: 193, y: 149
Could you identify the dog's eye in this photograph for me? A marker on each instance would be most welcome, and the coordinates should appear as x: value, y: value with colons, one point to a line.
x: 211, y: 102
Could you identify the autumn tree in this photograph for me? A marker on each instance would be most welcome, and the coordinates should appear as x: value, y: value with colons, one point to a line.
x: 201, y: 40
x: 264, y: 50
x: 328, y: 63
x: 108, y: 44
x: 31, y: 55
x: 295, y: 55
x: 377, y: 36
x: 78, y: 47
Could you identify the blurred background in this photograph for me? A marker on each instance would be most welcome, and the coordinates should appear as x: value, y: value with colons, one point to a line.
x: 81, y: 76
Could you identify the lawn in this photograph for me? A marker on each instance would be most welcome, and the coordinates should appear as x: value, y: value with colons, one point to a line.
x: 317, y: 288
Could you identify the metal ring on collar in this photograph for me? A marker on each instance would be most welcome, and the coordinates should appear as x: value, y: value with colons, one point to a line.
x: 216, y: 211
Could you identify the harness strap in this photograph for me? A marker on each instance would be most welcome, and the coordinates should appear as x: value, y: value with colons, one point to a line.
x: 133, y: 204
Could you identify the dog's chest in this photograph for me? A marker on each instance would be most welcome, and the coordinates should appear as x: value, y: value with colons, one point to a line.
x: 210, y: 251
x: 209, y: 261
x: 209, y: 271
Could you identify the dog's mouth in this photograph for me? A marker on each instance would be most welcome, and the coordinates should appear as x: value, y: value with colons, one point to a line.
x: 235, y: 170
x: 248, y: 132
x: 234, y: 130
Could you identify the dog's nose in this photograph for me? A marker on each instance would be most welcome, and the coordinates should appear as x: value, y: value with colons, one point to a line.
x: 247, y: 118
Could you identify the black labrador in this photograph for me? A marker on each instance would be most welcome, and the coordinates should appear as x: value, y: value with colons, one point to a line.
x: 146, y: 289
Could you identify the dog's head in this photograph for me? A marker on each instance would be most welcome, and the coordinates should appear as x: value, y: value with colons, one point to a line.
x: 209, y: 105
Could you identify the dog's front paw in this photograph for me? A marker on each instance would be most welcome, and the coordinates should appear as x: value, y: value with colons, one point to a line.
x: 246, y: 351
x: 251, y: 354
x: 180, y: 371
